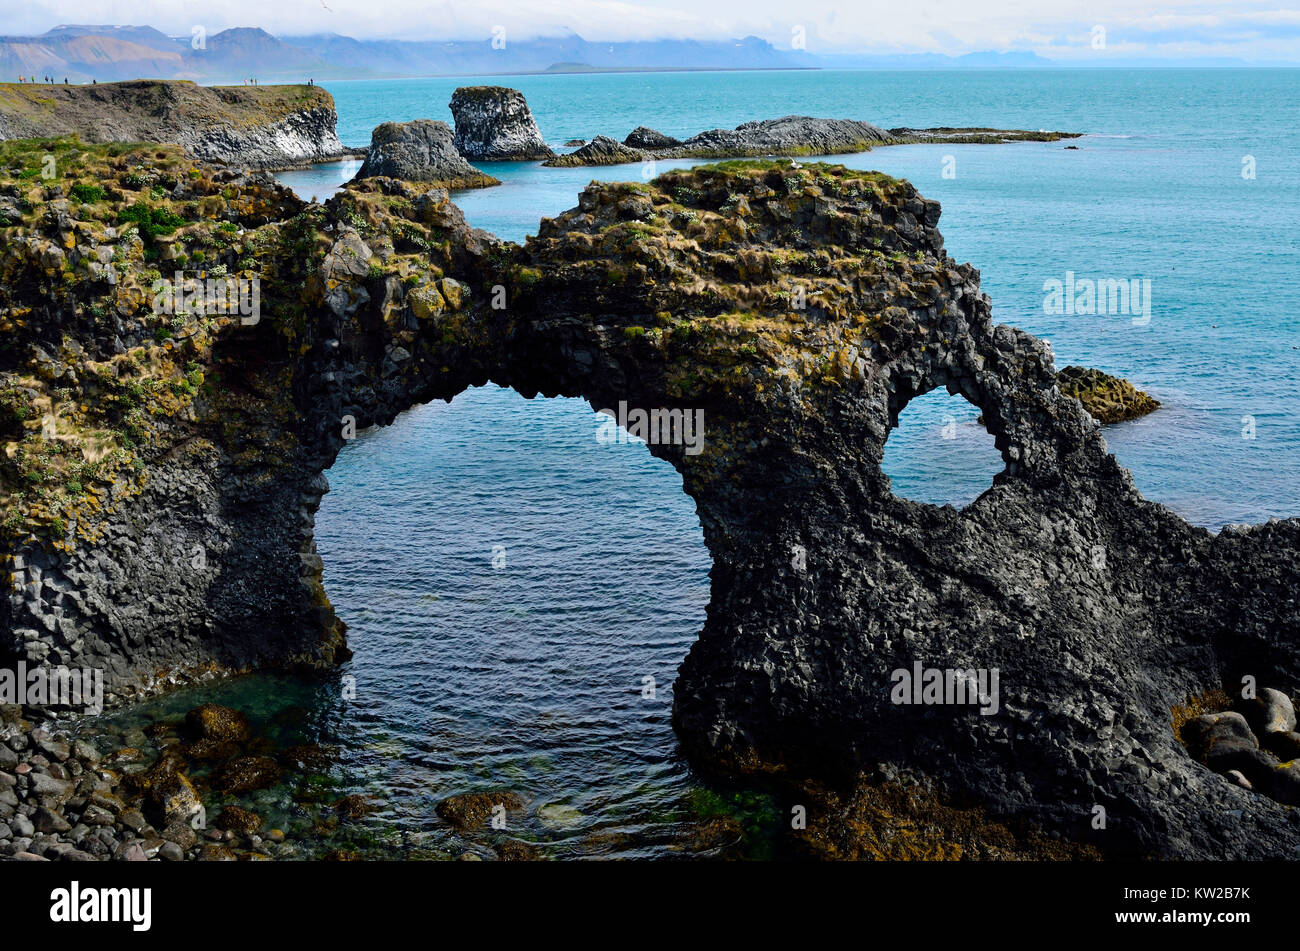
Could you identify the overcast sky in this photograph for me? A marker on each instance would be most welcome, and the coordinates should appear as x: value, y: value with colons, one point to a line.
x: 1059, y: 29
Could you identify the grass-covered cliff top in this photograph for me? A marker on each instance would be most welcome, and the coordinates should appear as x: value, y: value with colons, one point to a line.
x: 99, y: 112
x: 477, y: 93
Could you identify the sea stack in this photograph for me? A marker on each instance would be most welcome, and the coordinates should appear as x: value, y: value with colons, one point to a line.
x: 494, y: 124
x: 420, y: 151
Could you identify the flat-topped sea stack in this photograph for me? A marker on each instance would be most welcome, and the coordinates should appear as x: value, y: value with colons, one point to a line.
x: 795, y: 136
x: 494, y: 124
x: 255, y: 127
x: 422, y: 150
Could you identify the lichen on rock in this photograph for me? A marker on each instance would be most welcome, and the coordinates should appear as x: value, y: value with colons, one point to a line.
x: 1109, y: 399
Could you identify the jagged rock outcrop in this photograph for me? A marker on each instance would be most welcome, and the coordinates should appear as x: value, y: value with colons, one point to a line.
x: 602, y: 150
x: 1108, y: 398
x: 494, y: 124
x: 645, y: 138
x: 420, y: 151
x: 253, y: 127
x: 799, y: 309
x: 788, y: 135
x: 792, y: 136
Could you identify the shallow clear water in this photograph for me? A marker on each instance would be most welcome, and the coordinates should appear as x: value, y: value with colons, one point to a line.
x: 519, y: 596
x: 529, y: 676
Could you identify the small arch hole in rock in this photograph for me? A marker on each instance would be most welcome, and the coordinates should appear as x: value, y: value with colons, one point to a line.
x: 940, y: 453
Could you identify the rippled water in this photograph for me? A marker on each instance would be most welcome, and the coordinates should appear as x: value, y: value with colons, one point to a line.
x: 519, y: 596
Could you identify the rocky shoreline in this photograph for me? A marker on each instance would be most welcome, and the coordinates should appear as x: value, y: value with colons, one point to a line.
x: 62, y: 799
x: 278, y: 128
x: 798, y: 136
x: 799, y: 306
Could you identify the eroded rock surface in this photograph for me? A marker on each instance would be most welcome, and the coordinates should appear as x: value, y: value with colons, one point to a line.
x: 1108, y: 398
x: 602, y: 150
x: 800, y: 309
x: 494, y: 123
x: 645, y: 138
x: 790, y: 135
x: 420, y: 151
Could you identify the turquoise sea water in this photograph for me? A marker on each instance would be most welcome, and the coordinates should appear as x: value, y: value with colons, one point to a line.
x: 530, y: 676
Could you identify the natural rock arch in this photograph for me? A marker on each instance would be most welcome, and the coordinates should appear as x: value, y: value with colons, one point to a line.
x: 800, y: 308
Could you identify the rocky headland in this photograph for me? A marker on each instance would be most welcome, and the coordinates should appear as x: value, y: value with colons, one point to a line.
x: 801, y: 308
x: 255, y: 127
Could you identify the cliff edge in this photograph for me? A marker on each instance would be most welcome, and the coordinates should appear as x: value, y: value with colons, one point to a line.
x: 256, y: 127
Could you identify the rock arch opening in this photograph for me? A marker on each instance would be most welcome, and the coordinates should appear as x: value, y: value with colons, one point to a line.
x: 519, y: 594
x: 940, y: 452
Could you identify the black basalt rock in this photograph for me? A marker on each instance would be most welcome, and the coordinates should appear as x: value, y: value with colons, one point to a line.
x: 798, y: 309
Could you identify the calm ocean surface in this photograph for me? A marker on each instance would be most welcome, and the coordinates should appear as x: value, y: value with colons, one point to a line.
x: 529, y: 675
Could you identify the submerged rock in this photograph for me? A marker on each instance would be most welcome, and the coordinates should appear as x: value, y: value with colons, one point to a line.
x: 512, y: 850
x: 719, y: 835
x: 308, y: 756
x: 351, y: 808
x: 246, y: 773
x: 214, y: 722
x: 210, y: 751
x: 494, y: 123
x: 420, y: 151
x: 469, y: 811
x: 240, y: 821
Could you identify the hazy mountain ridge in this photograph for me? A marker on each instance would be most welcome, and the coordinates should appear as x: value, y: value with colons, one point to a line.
x: 103, y: 52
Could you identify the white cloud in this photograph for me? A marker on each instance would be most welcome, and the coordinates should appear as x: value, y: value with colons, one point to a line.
x: 1221, y: 27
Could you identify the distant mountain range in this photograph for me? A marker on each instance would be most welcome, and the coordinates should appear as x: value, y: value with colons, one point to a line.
x: 82, y: 53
